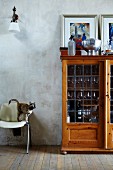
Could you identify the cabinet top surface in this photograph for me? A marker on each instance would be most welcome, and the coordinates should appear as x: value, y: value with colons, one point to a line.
x: 78, y: 56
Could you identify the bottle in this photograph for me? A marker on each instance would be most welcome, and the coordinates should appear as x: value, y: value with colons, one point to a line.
x: 112, y: 45
x: 68, y: 119
x: 71, y: 46
x: 79, y: 111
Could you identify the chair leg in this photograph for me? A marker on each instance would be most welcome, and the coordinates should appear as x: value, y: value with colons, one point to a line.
x: 28, y: 138
x: 30, y: 141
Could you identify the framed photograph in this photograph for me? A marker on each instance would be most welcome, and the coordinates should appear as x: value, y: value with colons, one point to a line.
x: 106, y: 31
x: 80, y: 26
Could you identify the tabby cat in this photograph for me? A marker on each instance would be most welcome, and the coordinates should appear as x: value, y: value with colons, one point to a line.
x: 23, y: 108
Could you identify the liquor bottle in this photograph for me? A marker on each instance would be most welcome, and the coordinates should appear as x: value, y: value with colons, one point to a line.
x: 68, y: 118
x: 71, y: 46
x: 78, y: 111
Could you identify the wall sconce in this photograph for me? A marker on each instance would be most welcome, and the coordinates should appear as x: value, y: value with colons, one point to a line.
x: 14, y: 24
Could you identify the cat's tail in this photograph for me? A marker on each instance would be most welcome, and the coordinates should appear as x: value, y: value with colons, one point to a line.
x: 13, y: 100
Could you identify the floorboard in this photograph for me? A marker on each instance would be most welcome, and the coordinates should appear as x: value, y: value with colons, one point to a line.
x: 50, y: 158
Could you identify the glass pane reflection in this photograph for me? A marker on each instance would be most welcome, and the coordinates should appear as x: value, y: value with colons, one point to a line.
x: 83, y: 93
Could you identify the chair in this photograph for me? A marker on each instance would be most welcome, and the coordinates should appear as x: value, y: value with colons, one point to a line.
x: 8, y: 119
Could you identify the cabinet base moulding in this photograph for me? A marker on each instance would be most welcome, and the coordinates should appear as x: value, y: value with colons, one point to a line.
x: 64, y: 150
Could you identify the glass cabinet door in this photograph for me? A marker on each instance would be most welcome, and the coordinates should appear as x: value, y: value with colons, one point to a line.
x: 83, y: 93
x: 111, y: 94
x: 109, y: 105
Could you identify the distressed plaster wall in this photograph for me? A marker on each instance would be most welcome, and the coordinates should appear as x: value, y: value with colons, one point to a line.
x: 30, y: 67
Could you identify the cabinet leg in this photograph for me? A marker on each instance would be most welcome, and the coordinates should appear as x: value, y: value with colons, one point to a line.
x: 64, y: 153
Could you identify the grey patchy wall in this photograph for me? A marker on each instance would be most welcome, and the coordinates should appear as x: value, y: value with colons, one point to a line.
x: 30, y: 66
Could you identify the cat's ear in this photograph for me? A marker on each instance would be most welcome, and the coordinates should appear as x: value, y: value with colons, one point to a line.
x: 9, y: 101
x: 34, y: 105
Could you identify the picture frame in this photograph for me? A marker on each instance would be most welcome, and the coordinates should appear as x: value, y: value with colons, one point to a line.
x: 76, y: 25
x: 106, y: 30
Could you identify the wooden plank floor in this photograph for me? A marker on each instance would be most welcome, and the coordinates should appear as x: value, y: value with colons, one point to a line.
x: 49, y: 158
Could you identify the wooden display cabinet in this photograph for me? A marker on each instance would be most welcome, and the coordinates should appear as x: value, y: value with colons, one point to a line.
x: 87, y: 103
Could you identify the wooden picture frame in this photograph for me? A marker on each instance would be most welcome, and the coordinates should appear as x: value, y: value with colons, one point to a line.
x: 106, y: 30
x: 77, y: 25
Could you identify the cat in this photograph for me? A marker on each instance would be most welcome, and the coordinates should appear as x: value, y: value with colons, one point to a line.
x: 23, y: 108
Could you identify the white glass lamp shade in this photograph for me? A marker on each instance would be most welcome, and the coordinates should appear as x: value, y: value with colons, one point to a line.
x: 14, y: 27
